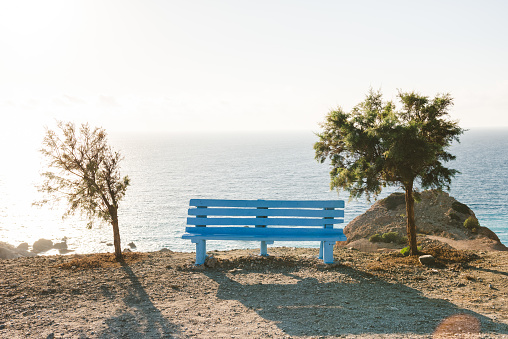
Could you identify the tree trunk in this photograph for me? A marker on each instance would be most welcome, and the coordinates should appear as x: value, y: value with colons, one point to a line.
x: 410, y: 215
x: 116, y: 237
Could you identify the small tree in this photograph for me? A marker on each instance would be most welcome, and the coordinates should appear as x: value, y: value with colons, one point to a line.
x: 84, y: 170
x: 376, y: 145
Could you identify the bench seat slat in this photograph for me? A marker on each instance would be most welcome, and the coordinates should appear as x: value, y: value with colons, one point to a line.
x: 248, y: 212
x: 268, y: 203
x: 261, y: 234
x: 263, y: 221
x: 297, y: 237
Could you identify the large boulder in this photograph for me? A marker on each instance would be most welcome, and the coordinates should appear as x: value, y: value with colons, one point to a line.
x: 8, y: 251
x: 42, y: 245
x: 23, y: 246
x: 436, y: 213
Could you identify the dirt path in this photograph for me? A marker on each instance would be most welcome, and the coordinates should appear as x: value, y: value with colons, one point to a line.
x: 290, y: 294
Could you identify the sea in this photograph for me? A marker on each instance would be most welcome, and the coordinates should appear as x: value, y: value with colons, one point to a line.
x: 167, y: 170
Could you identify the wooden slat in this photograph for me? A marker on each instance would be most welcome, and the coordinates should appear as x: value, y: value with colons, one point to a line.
x: 268, y: 203
x: 293, y: 237
x: 260, y: 234
x: 263, y: 221
x: 251, y: 212
x: 256, y: 230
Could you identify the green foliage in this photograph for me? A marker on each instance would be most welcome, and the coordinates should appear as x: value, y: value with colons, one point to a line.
x: 389, y: 237
x: 84, y: 171
x: 394, y: 237
x: 405, y: 250
x: 461, y: 208
x: 377, y: 144
x: 472, y: 224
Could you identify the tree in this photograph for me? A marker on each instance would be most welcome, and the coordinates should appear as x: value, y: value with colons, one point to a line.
x: 376, y: 145
x: 84, y: 171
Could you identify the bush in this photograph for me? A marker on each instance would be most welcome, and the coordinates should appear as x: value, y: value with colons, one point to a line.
x: 472, y: 224
x: 388, y: 238
x: 405, y: 250
x: 393, y: 237
x: 376, y: 238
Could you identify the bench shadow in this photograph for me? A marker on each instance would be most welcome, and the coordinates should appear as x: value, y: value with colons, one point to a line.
x: 141, y: 319
x: 358, y: 304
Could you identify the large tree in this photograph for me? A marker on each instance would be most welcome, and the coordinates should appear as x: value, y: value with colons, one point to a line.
x: 379, y: 144
x: 84, y: 171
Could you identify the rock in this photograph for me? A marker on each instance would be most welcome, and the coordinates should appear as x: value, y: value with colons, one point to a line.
x: 436, y: 213
x: 8, y: 251
x: 23, y: 246
x: 127, y: 250
x: 427, y: 259
x: 60, y: 245
x: 131, y: 245
x: 109, y: 244
x: 42, y: 245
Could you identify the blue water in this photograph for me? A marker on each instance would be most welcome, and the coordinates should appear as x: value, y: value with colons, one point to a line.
x: 168, y: 170
x: 482, y: 158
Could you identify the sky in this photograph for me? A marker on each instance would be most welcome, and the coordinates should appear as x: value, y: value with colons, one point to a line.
x: 174, y: 66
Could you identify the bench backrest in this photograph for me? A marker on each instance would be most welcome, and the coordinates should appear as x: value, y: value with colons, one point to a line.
x: 261, y: 213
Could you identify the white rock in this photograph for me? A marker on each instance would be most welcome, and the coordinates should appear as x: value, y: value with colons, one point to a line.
x: 427, y: 259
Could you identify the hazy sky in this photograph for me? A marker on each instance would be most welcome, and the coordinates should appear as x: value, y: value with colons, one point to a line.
x: 243, y: 65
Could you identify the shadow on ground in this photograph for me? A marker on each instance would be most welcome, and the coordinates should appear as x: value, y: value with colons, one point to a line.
x: 140, y: 318
x: 363, y: 305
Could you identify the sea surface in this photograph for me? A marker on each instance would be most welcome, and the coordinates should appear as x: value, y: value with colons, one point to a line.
x: 166, y: 171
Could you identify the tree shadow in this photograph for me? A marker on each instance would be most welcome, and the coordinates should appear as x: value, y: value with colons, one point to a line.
x: 141, y: 319
x: 358, y: 304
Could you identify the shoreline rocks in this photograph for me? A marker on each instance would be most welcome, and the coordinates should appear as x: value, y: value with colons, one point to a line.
x: 8, y: 251
x: 42, y: 245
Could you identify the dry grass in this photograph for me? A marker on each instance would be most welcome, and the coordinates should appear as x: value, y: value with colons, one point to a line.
x: 101, y: 260
x: 445, y: 257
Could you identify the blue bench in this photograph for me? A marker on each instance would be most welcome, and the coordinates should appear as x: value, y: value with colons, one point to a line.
x: 265, y: 221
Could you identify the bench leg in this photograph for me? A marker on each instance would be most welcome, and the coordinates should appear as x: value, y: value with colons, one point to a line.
x: 200, y: 252
x: 264, y: 250
x: 321, y: 249
x: 328, y: 251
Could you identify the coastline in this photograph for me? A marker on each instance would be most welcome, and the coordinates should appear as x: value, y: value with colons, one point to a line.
x: 290, y: 294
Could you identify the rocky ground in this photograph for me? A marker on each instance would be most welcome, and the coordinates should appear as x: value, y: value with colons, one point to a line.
x: 290, y: 294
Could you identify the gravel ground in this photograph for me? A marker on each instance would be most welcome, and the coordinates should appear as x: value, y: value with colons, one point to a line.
x: 290, y: 294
